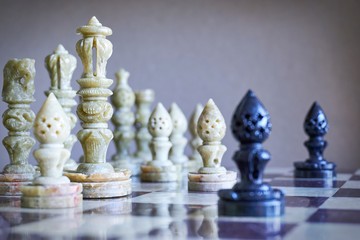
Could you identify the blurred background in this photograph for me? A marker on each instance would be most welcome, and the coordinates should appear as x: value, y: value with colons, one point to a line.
x: 290, y: 53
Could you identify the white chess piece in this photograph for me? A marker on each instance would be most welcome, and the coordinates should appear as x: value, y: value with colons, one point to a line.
x: 195, y: 160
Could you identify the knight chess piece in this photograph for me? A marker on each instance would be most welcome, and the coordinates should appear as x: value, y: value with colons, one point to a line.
x: 316, y: 166
x: 160, y: 169
x: 123, y: 99
x: 251, y: 196
x: 98, y: 177
x: 212, y: 176
x: 61, y: 66
x: 18, y: 91
x: 195, y: 161
x: 51, y: 189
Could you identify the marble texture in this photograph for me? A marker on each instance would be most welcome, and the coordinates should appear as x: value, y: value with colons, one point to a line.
x: 195, y: 160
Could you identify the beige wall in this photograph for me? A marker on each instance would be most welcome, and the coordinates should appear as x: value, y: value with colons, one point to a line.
x: 289, y: 52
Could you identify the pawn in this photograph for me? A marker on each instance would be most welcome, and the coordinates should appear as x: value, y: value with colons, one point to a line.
x: 251, y: 196
x: 195, y: 161
x: 51, y: 189
x: 315, y: 126
x: 212, y: 176
x: 177, y: 136
x: 160, y: 169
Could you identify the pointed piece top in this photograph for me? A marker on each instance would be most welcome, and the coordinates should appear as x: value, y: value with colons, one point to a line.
x: 94, y: 22
x: 178, y: 119
x: 316, y: 123
x: 94, y: 28
x: 160, y: 123
x: 194, y: 119
x: 60, y: 49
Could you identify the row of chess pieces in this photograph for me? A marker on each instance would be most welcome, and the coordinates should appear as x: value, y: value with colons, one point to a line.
x: 60, y: 182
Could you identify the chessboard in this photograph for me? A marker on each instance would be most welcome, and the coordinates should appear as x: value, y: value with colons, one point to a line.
x: 315, y: 209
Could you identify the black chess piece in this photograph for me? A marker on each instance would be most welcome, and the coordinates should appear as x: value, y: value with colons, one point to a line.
x: 316, y: 166
x: 251, y: 196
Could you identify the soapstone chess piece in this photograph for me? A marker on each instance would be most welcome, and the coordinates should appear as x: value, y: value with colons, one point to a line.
x: 212, y: 176
x: 143, y: 101
x: 98, y: 177
x: 160, y: 169
x: 18, y: 90
x: 209, y: 228
x: 123, y: 99
x: 315, y: 126
x: 177, y: 138
x: 61, y: 65
x: 251, y: 196
x: 51, y: 189
x: 195, y: 160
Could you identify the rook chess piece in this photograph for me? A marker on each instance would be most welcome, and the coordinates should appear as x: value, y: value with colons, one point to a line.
x: 51, y: 189
x: 61, y: 65
x: 195, y: 161
x: 212, y: 176
x: 160, y: 169
x: 315, y: 126
x: 18, y: 91
x: 99, y: 179
x: 251, y: 197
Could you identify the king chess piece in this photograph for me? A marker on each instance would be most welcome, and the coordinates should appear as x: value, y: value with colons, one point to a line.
x: 195, y: 161
x: 18, y: 90
x: 212, y: 176
x: 123, y: 99
x: 61, y: 65
x: 316, y: 166
x: 251, y: 196
x: 160, y: 169
x: 98, y: 177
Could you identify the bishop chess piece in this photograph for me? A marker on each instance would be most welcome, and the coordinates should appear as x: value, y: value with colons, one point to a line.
x: 177, y: 138
x: 98, y: 177
x: 123, y: 99
x: 316, y: 166
x: 51, y: 189
x: 212, y: 176
x: 251, y: 196
x: 143, y: 101
x: 17, y: 92
x: 195, y: 160
x: 61, y: 65
x: 160, y: 169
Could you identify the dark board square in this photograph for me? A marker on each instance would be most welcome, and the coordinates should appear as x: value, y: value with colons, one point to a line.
x: 307, y: 183
x: 355, y: 177
x: 335, y: 216
x: 295, y: 201
x: 347, y: 192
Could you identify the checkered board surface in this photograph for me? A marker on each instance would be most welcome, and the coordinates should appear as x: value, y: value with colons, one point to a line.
x: 314, y: 210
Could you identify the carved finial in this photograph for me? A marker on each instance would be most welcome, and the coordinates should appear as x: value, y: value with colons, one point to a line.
x: 51, y: 123
x: 178, y: 119
x: 211, y: 124
x: 94, y: 22
x: 95, y: 28
x: 160, y: 124
x: 316, y: 123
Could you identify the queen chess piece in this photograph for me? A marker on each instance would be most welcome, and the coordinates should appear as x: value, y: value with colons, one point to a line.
x: 212, y: 176
x: 18, y: 92
x: 251, y: 196
x: 316, y: 166
x: 51, y: 189
x: 98, y: 177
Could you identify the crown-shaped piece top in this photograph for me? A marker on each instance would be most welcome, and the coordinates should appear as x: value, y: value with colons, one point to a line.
x: 316, y: 123
x: 251, y: 121
x: 211, y: 124
x: 94, y: 28
x: 160, y: 123
x: 178, y: 119
x: 194, y: 119
x: 52, y: 125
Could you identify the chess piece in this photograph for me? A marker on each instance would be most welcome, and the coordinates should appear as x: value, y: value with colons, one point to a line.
x: 195, y: 160
x: 51, y: 189
x: 17, y: 92
x: 209, y: 227
x: 177, y: 137
x: 143, y: 101
x: 61, y: 65
x: 99, y: 179
x: 251, y: 196
x: 212, y: 176
x: 315, y: 126
x: 123, y: 119
x: 160, y: 169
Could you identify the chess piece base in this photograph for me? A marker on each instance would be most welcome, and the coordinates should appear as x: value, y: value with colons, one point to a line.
x: 159, y: 174
x: 211, y: 182
x: 312, y: 170
x: 51, y: 196
x: 10, y: 183
x: 132, y: 166
x: 251, y: 205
